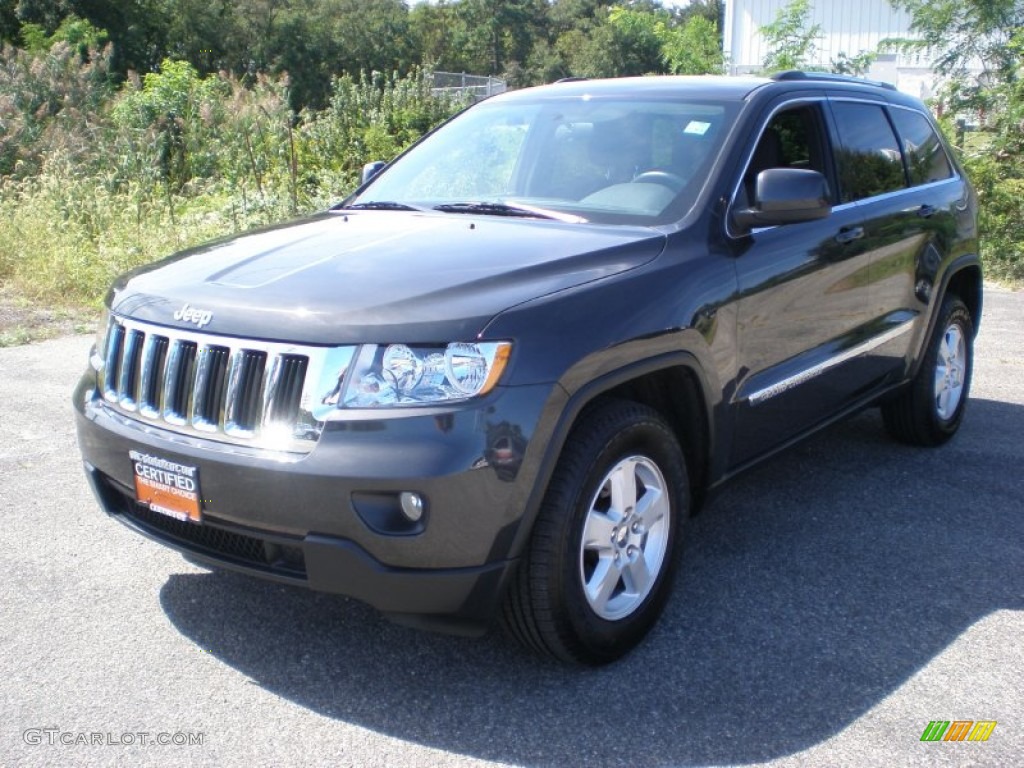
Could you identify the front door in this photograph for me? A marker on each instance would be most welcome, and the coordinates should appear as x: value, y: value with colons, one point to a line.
x: 804, y: 307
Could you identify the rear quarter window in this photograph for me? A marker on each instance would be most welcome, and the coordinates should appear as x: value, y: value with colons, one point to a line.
x: 926, y: 157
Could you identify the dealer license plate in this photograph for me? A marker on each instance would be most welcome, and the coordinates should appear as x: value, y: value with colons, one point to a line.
x: 167, y: 487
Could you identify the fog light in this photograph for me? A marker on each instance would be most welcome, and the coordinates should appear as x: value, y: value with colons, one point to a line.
x: 412, y: 505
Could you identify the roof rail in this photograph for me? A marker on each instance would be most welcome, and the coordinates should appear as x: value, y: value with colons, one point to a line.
x: 796, y: 74
x: 571, y: 79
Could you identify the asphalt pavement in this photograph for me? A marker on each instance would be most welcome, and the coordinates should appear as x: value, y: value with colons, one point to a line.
x: 830, y: 604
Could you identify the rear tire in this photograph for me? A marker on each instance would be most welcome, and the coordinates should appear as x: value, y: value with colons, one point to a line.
x: 598, y: 567
x: 930, y: 410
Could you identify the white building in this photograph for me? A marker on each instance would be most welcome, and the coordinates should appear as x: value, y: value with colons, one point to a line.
x: 846, y: 27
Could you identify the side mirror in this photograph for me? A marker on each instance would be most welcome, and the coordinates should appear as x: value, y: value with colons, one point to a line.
x: 372, y: 169
x: 786, y: 196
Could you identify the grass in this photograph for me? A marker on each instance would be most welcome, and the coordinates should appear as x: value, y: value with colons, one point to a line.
x: 63, y: 240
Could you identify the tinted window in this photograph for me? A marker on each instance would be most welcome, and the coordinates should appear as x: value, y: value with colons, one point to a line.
x: 926, y: 159
x: 869, y: 158
x: 795, y: 130
x: 790, y: 140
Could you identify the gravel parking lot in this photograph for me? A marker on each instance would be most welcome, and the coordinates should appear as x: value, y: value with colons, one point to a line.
x: 831, y: 603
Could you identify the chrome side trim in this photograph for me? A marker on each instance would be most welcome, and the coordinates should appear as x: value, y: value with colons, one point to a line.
x: 761, y: 395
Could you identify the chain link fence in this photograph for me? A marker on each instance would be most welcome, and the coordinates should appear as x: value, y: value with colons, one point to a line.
x: 460, y: 84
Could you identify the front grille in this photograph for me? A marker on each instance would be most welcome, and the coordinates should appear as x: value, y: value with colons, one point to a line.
x: 242, y: 391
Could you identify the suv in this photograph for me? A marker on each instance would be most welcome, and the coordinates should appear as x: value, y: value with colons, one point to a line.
x: 497, y: 379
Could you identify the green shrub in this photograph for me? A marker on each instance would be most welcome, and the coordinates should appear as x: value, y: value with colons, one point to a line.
x: 372, y: 118
x: 999, y: 181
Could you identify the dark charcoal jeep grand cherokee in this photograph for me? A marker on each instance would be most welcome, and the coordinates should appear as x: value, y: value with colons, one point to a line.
x: 497, y: 379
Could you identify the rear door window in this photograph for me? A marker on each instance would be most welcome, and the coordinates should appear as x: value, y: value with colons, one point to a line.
x: 868, y: 156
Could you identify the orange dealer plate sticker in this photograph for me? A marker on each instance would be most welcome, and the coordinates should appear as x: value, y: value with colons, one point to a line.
x: 167, y: 487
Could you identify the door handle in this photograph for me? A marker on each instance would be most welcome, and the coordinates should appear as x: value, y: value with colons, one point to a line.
x: 926, y: 211
x: 849, y: 234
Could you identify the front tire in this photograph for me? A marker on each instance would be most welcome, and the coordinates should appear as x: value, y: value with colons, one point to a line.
x: 598, y: 567
x: 930, y: 410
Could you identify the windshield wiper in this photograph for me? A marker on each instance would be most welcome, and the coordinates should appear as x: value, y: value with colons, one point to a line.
x: 496, y: 209
x: 380, y: 205
x: 488, y: 209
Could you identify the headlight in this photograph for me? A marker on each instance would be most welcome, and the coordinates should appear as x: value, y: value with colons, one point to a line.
x: 403, y: 375
x: 100, y: 350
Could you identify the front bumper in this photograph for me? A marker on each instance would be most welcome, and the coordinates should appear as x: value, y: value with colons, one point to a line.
x: 309, y: 520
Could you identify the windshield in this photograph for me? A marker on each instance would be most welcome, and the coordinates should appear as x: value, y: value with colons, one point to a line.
x: 580, y: 159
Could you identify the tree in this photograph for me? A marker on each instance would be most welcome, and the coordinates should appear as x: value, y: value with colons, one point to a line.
x: 46, y: 13
x: 501, y: 32
x: 137, y: 29
x: 693, y: 47
x: 791, y: 42
x: 712, y: 10
x: 10, y: 26
x: 637, y: 41
x: 978, y: 48
x: 688, y: 45
x: 965, y: 34
x: 568, y: 46
x: 856, y: 66
x: 346, y: 36
x: 432, y: 27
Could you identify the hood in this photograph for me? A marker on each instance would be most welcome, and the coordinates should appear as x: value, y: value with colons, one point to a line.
x: 376, y: 276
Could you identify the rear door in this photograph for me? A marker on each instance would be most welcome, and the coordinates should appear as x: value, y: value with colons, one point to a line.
x: 909, y: 230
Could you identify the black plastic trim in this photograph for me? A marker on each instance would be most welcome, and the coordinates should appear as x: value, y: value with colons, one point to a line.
x: 958, y: 265
x: 575, y: 405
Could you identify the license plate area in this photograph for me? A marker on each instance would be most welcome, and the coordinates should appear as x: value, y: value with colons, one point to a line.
x: 167, y: 487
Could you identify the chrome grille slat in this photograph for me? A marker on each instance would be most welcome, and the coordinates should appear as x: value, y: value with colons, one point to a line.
x: 128, y: 376
x: 293, y: 373
x: 271, y: 377
x: 244, y: 407
x: 154, y: 355
x: 177, y: 382
x: 247, y: 414
x: 112, y: 361
x: 240, y: 391
x: 208, y: 388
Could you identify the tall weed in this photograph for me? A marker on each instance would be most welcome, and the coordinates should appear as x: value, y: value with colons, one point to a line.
x: 95, y: 181
x: 63, y: 237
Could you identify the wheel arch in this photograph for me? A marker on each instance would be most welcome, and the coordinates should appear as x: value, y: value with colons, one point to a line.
x: 650, y: 382
x: 966, y: 282
x: 676, y: 393
x: 964, y: 278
